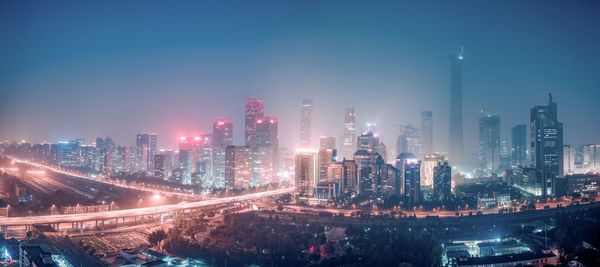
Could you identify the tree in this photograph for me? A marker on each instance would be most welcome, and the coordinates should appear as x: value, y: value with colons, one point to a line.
x: 156, y: 237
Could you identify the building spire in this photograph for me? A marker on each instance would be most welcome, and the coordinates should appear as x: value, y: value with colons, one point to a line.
x: 549, y: 97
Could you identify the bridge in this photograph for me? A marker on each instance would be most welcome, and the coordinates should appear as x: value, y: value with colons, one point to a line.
x: 136, y: 215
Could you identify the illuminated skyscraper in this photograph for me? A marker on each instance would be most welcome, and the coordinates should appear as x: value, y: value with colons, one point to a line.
x: 547, y: 145
x: 185, y: 166
x: 306, y: 122
x: 324, y: 159
x: 569, y: 159
x: 519, y: 144
x: 428, y: 164
x: 305, y: 172
x: 222, y: 137
x: 238, y: 167
x: 409, y: 141
x: 410, y: 176
x: 442, y: 186
x: 489, y: 144
x: 455, y: 139
x: 368, y: 141
x: 254, y: 110
x: 266, y: 150
x: 349, y: 145
x: 145, y: 150
x: 68, y: 153
x: 160, y: 168
x: 327, y: 142
x: 427, y: 132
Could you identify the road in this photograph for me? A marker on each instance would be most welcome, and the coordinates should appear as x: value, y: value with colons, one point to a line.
x: 128, y: 213
x: 133, y: 186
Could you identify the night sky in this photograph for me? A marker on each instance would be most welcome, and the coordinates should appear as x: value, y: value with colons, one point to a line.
x: 115, y: 68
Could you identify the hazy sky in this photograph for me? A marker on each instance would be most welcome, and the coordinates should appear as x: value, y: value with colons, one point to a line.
x: 114, y: 68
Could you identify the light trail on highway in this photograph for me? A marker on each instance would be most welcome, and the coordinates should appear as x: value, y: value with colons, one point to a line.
x: 105, y: 215
x: 188, y: 196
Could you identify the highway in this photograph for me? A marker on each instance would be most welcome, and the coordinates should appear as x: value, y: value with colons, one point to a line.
x: 132, y: 186
x: 99, y: 216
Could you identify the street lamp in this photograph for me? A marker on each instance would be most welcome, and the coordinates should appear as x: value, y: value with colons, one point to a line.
x: 7, y: 208
x: 52, y: 209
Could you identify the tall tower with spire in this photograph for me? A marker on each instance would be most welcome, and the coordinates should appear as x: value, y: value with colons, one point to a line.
x: 455, y: 137
x: 546, y: 146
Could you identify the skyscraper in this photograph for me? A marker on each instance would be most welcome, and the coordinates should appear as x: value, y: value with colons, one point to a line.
x: 519, y: 144
x: 455, y: 139
x: 569, y: 159
x: 426, y: 132
x: 324, y: 158
x: 410, y: 176
x: 305, y: 172
x: 266, y: 150
x: 222, y: 137
x: 145, y: 150
x: 547, y: 145
x: 327, y: 142
x: 442, y: 186
x: 427, y: 169
x: 185, y: 166
x: 238, y: 167
x: 306, y: 122
x: 254, y: 109
x: 489, y: 144
x: 368, y: 141
x: 349, y: 145
x: 409, y: 141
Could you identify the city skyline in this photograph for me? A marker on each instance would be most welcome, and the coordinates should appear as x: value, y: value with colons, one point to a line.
x: 299, y: 133
x: 404, y: 79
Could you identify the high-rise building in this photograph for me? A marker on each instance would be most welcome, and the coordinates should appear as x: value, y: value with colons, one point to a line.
x: 160, y: 168
x: 368, y: 141
x: 305, y: 172
x: 325, y: 158
x: 427, y: 132
x: 327, y: 142
x: 410, y: 176
x: 591, y: 157
x: 442, y: 186
x: 427, y: 165
x: 185, y: 166
x: 519, y: 144
x: 489, y: 144
x: 266, y: 151
x: 221, y: 138
x: 547, y: 144
x: 146, y: 148
x: 254, y: 110
x: 168, y: 161
x: 350, y: 176
x: 238, y: 167
x: 409, y: 140
x: 381, y: 149
x: 68, y: 153
x: 569, y: 159
x: 349, y: 145
x: 386, y: 180
x: 455, y: 139
x: 193, y: 145
x: 335, y: 172
x: 306, y: 122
